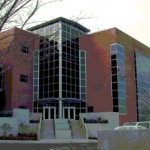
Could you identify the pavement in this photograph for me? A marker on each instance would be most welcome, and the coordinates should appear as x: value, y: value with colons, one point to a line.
x: 57, y: 144
x: 51, y: 141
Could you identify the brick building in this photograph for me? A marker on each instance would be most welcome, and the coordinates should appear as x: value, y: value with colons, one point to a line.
x: 117, y: 73
x: 75, y: 72
x: 16, y: 51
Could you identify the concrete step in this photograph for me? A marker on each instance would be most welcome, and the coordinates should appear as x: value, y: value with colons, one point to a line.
x: 61, y: 121
x: 62, y: 126
x: 47, y: 129
x: 77, y: 131
x: 63, y: 134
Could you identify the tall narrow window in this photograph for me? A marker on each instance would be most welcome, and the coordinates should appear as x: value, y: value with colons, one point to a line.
x: 82, y: 56
x: 36, y: 74
x: 118, y: 78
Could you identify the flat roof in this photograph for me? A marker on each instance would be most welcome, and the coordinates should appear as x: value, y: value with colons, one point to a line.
x: 70, y: 22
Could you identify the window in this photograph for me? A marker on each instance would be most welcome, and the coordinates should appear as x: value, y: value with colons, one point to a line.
x: 90, y: 109
x: 118, y: 78
x: 23, y: 78
x: 25, y: 49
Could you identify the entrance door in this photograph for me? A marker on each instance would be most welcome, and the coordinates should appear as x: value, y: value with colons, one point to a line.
x: 69, y: 113
x: 49, y: 113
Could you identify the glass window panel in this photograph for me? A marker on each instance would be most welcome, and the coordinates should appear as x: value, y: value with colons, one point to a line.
x: 113, y: 63
x: 35, y: 81
x: 120, y: 49
x: 115, y: 109
x: 122, y: 110
x: 64, y: 34
x: 115, y: 94
x: 114, y: 78
x: 82, y: 54
x: 36, y: 54
x: 115, y: 101
x: 121, y: 86
x: 83, y: 68
x: 35, y: 89
x: 120, y: 63
x: 64, y: 27
x: 121, y: 94
x: 68, y: 29
x: 68, y: 36
x: 82, y: 89
x: 82, y: 82
x: 115, y: 86
x: 83, y: 96
x: 113, y: 56
x: 82, y: 61
x: 35, y: 61
x: 120, y: 56
x: 121, y: 79
x: 113, y: 49
x: 35, y: 96
x: 82, y: 75
x: 35, y: 74
x: 114, y: 70
x: 122, y: 102
x: 35, y: 67
x: 72, y: 31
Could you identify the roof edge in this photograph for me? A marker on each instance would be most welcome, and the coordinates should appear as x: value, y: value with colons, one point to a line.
x: 57, y: 20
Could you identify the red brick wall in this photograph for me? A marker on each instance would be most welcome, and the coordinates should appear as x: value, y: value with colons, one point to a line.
x: 21, y: 63
x: 98, y: 69
x: 97, y: 46
x: 130, y: 45
x: 6, y: 38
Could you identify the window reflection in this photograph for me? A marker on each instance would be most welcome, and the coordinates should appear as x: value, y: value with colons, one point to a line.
x: 118, y: 78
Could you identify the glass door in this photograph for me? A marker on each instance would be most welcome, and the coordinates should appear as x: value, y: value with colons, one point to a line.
x: 69, y: 113
x: 49, y: 113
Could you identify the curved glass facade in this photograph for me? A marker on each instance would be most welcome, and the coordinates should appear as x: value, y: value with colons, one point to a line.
x: 142, y: 74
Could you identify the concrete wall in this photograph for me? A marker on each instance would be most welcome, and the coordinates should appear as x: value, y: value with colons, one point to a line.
x: 12, y: 122
x: 22, y: 115
x: 35, y: 116
x: 92, y: 128
x: 124, y: 140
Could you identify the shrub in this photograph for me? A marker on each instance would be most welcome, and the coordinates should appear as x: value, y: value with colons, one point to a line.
x: 6, y: 128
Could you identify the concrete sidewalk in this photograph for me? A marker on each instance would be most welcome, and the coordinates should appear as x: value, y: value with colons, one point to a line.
x: 50, y: 141
x: 49, y: 145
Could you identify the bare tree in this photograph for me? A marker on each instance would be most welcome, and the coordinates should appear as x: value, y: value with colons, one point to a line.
x: 19, y: 12
x: 16, y: 13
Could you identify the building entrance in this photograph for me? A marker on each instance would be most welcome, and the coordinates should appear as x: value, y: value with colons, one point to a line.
x: 69, y: 112
x: 49, y: 113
